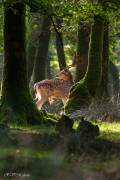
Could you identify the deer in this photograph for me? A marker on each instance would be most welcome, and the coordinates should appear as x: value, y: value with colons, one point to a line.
x: 57, y: 88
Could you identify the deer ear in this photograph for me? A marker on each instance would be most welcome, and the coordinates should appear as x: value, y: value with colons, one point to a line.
x: 66, y: 70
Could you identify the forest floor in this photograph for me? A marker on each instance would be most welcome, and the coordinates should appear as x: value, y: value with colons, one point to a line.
x: 36, y: 153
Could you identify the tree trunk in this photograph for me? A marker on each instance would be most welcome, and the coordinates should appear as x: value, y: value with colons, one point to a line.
x: 60, y: 46
x: 17, y: 104
x: 82, y: 50
x: 32, y: 45
x: 49, y: 75
x: 93, y: 76
x: 103, y: 90
x: 31, y: 51
x: 40, y: 66
x: 114, y: 80
x: 83, y: 91
x: 108, y: 85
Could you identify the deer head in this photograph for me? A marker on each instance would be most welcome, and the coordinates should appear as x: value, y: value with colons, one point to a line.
x: 64, y: 74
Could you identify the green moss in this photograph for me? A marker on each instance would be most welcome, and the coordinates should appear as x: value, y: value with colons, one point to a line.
x: 27, y: 114
x: 79, y: 96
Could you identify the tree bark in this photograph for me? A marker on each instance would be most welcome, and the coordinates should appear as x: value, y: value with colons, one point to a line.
x: 17, y: 104
x: 94, y: 73
x: 60, y: 46
x: 82, y: 50
x: 114, y: 80
x: 49, y: 75
x: 40, y: 66
x: 31, y: 51
x: 109, y: 86
x: 103, y: 90
x: 83, y: 91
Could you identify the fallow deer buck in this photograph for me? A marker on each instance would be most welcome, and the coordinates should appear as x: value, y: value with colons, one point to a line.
x: 58, y: 88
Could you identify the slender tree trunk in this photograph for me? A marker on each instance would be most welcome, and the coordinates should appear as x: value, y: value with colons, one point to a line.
x: 40, y: 66
x: 114, y: 80
x: 82, y: 50
x: 31, y: 51
x: 60, y: 46
x: 82, y: 93
x: 49, y: 75
x: 17, y: 104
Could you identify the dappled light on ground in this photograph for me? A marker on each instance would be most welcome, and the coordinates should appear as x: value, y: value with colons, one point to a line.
x: 110, y: 131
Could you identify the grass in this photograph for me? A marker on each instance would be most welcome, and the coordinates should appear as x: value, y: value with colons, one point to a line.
x: 23, y: 152
x: 33, y: 129
x: 37, y: 155
x: 110, y: 131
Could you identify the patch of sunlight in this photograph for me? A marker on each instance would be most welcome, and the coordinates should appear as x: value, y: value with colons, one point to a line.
x: 110, y: 130
x: 33, y: 129
x: 76, y: 124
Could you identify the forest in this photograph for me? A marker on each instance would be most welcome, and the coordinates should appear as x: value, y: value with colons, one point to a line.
x: 60, y: 89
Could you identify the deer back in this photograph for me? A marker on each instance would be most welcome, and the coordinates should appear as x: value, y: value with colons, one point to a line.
x: 56, y: 88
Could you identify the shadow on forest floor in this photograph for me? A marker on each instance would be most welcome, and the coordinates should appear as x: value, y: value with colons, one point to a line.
x: 26, y: 155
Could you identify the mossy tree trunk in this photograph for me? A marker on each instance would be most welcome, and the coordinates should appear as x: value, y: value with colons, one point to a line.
x: 82, y: 92
x: 94, y: 72
x: 17, y: 104
x: 103, y: 90
x: 40, y: 66
x: 59, y: 45
x: 82, y: 50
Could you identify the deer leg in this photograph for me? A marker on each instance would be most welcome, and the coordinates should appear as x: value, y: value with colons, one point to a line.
x: 51, y: 100
x: 64, y: 101
x: 39, y: 103
x: 36, y: 99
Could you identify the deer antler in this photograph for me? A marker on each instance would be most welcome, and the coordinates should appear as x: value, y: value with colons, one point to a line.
x: 73, y: 61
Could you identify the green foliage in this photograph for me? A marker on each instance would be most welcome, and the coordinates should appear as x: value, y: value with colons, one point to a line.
x: 114, y: 40
x: 42, y: 6
x: 1, y: 29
